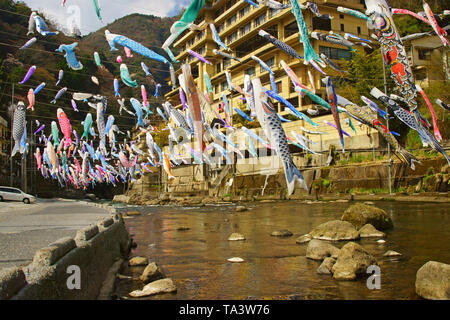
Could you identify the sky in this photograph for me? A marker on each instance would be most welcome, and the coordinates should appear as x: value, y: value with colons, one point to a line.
x: 83, y: 11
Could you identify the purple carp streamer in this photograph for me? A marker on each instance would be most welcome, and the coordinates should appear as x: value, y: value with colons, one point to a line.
x: 28, y: 74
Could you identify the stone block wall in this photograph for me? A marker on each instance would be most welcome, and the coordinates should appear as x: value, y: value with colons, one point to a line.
x: 94, y: 250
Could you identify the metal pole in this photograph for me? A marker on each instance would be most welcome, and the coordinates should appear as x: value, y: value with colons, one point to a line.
x: 11, y: 141
x: 387, y: 126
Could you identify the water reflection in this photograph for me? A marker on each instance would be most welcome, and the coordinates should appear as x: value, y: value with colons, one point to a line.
x: 276, y: 268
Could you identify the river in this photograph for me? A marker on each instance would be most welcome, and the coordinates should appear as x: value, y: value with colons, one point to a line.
x: 276, y: 268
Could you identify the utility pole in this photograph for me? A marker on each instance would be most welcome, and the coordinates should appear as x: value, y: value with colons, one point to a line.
x: 387, y: 125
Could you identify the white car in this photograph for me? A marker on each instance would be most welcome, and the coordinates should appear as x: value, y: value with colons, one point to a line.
x: 14, y: 194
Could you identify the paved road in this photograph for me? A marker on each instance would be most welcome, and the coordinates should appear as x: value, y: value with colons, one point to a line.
x: 24, y: 229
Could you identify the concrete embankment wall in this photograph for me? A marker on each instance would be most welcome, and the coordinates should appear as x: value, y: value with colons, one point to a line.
x: 94, y: 250
x: 249, y: 182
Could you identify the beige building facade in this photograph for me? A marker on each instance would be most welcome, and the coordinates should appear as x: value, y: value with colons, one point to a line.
x: 238, y: 23
x: 430, y: 59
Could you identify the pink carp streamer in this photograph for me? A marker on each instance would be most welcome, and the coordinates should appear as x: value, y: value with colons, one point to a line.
x: 439, y: 31
x: 437, y: 134
x: 430, y: 20
x: 411, y: 13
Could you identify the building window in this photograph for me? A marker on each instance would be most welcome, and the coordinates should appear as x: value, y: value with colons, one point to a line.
x: 218, y: 67
x: 220, y: 11
x: 321, y: 24
x: 245, y: 28
x: 290, y: 29
x: 341, y: 16
x: 224, y: 85
x: 274, y: 12
x: 342, y: 27
x: 424, y: 54
x: 306, y: 101
x: 220, y: 28
x: 251, y: 71
x: 200, y: 35
x: 279, y: 87
x: 335, y: 53
x: 291, y: 87
x: 226, y: 63
x: 231, y: 20
x: 260, y: 20
x: 420, y: 74
x: 230, y: 3
x: 248, y: 47
x: 216, y: 89
x: 270, y: 63
x: 232, y: 37
x: 244, y: 11
x: 359, y: 30
x: 195, y: 72
x: 293, y: 101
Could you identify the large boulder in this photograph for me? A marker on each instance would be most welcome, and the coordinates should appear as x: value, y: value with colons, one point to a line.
x: 360, y: 214
x: 352, y: 260
x: 433, y: 281
x: 335, y: 230
x: 319, y: 250
x: 121, y: 198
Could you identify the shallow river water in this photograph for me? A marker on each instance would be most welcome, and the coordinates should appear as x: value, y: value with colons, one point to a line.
x: 276, y: 268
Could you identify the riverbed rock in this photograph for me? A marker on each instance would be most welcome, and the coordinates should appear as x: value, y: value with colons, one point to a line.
x: 335, y: 230
x: 326, y: 266
x: 138, y: 261
x: 235, y: 259
x: 319, y: 250
x: 208, y: 200
x: 392, y: 253
x: 352, y: 261
x: 151, y: 273
x: 303, y: 239
x: 121, y: 198
x: 151, y: 202
x: 360, y: 214
x: 236, y: 237
x: 433, y: 281
x: 369, y: 231
x: 164, y: 197
x: 240, y: 209
x: 133, y: 213
x: 281, y: 233
x: 155, y: 287
x: 183, y: 228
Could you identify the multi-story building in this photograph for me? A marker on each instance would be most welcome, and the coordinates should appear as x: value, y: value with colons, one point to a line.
x: 238, y: 23
x: 429, y: 59
x: 3, y: 142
